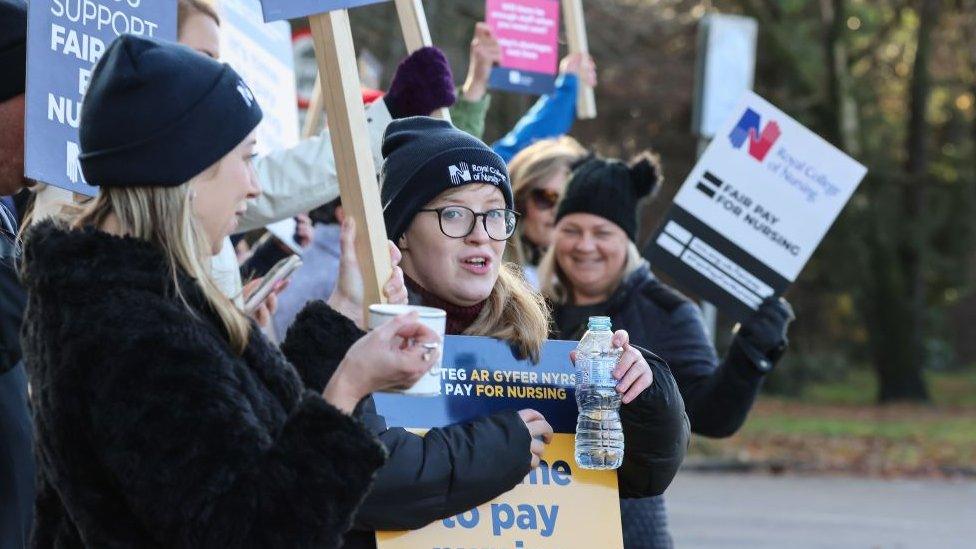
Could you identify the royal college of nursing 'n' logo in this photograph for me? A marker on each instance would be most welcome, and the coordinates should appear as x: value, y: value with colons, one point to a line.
x: 748, y: 130
x: 245, y: 93
x: 460, y: 173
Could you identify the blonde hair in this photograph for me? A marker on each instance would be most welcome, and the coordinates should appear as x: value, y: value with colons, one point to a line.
x: 163, y: 216
x: 530, y: 167
x: 555, y: 286
x: 514, y: 312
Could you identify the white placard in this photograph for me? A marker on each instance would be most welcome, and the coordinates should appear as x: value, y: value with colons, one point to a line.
x: 754, y: 208
x: 262, y: 54
x: 727, y: 68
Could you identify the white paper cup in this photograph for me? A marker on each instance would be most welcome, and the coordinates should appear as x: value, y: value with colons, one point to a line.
x: 435, y: 319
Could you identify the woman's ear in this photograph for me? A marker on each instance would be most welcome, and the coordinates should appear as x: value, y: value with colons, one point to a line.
x: 402, y: 243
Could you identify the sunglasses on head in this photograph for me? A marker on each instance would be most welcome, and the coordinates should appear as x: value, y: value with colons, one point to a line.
x: 545, y: 199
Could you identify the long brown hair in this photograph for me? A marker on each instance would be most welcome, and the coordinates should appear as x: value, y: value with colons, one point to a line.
x: 515, y: 313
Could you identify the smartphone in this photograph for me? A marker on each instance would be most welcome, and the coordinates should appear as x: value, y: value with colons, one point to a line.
x: 281, y: 271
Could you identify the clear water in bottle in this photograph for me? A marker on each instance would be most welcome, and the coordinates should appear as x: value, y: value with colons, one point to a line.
x: 599, y: 434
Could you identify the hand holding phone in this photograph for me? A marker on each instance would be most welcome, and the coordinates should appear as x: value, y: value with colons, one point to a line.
x: 281, y: 271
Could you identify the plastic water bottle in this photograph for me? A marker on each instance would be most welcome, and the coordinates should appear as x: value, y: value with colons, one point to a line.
x: 599, y: 435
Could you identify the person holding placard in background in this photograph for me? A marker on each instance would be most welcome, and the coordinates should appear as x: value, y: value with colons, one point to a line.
x: 447, y: 205
x: 594, y: 268
x: 16, y: 455
x: 164, y: 417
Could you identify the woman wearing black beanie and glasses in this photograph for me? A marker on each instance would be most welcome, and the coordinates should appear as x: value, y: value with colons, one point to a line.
x: 449, y: 207
x: 164, y: 418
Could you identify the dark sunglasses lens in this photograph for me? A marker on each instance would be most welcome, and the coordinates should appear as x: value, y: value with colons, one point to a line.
x: 545, y: 199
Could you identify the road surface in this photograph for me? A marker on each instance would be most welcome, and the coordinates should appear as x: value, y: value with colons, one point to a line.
x: 709, y: 510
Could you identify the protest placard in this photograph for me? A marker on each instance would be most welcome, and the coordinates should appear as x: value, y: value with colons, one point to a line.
x: 276, y: 10
x: 342, y: 99
x: 262, y: 54
x: 726, y: 67
x: 559, y: 504
x: 527, y: 32
x: 753, y: 209
x: 65, y: 39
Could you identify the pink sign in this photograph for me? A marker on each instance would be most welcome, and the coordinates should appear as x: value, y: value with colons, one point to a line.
x: 527, y: 31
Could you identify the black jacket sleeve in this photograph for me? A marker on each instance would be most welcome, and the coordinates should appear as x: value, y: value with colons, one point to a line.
x: 12, y: 301
x: 447, y: 471
x: 656, y: 435
x: 194, y: 456
x: 718, y: 397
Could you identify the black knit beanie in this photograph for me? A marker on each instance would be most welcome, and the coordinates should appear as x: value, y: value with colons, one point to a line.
x: 157, y: 113
x: 425, y: 157
x: 13, y: 48
x: 610, y: 189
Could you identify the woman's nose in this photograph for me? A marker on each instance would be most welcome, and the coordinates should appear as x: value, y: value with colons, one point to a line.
x: 253, y: 185
x: 478, y: 234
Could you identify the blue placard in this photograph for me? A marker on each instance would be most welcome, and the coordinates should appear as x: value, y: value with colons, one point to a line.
x: 481, y: 376
x: 65, y: 38
x: 275, y: 10
x: 519, y: 81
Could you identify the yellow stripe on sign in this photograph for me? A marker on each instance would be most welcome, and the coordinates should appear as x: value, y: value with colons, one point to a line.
x: 557, y: 505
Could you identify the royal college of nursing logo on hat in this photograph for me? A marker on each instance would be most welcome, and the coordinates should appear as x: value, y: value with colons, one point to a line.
x: 245, y: 93
x: 462, y: 172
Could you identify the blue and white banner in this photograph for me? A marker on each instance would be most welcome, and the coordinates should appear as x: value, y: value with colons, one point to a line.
x: 65, y: 38
x: 276, y: 10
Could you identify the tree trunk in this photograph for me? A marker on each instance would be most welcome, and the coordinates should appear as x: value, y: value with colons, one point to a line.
x: 900, y: 374
x: 845, y: 125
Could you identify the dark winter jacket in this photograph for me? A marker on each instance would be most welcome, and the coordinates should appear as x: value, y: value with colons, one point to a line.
x: 12, y: 297
x: 153, y: 433
x: 717, y: 396
x: 447, y: 471
x: 453, y: 469
x: 16, y: 455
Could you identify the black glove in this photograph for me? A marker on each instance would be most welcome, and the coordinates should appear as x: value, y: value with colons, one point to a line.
x: 766, y: 329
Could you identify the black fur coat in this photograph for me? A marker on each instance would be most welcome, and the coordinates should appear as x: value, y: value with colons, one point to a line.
x: 153, y: 433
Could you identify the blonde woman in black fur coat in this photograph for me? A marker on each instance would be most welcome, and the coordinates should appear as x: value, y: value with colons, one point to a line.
x: 164, y: 418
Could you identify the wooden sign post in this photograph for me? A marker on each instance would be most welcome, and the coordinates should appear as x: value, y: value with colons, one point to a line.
x: 313, y: 115
x: 578, y: 43
x: 416, y: 35
x: 342, y: 99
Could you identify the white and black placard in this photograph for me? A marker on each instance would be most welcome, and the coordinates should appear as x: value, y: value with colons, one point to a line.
x: 754, y: 209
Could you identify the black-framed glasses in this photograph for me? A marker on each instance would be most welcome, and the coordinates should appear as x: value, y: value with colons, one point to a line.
x: 458, y: 221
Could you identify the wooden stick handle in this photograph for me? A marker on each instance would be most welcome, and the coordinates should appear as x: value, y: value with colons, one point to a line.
x: 416, y: 34
x: 578, y: 43
x: 313, y: 116
x: 342, y: 97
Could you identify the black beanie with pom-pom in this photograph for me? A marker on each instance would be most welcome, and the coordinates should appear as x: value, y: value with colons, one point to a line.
x: 611, y: 189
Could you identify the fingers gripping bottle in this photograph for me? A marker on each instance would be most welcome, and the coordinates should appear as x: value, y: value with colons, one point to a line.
x: 599, y: 434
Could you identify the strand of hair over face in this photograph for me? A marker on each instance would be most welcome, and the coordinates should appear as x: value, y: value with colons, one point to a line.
x: 516, y: 313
